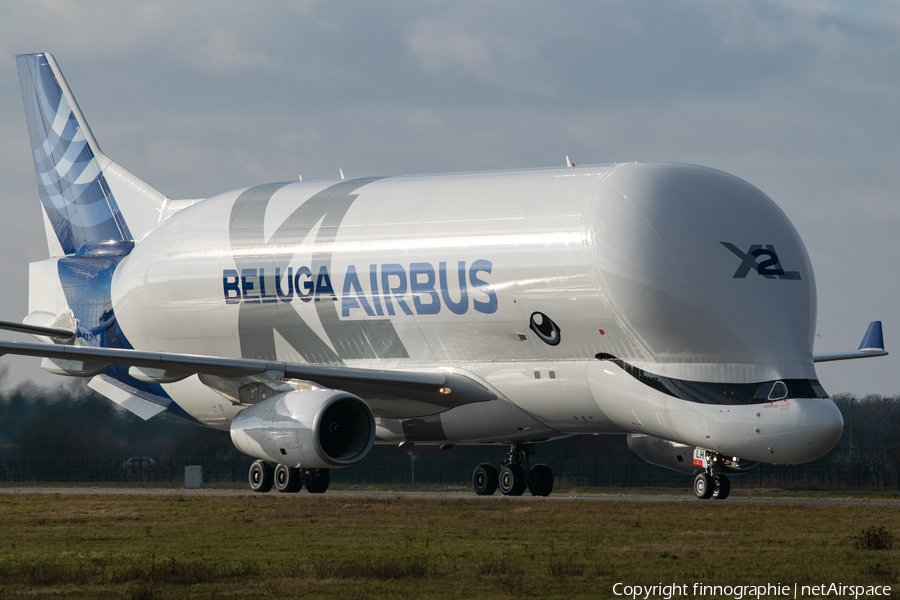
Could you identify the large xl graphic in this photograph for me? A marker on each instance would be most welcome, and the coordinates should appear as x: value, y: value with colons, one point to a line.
x: 770, y: 267
x: 351, y: 338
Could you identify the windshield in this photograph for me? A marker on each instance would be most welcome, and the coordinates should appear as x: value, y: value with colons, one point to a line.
x: 724, y: 393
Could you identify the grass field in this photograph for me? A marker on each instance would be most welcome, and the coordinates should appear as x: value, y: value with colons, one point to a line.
x: 275, y: 546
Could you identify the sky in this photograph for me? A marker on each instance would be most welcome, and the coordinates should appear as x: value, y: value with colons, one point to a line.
x: 801, y: 98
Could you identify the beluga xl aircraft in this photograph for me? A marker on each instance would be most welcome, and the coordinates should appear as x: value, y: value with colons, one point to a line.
x: 311, y: 319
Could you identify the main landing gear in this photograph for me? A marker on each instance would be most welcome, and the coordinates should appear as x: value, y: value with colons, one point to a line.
x: 287, y: 479
x: 512, y: 478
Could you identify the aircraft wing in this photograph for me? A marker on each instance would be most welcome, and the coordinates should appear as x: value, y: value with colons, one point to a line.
x: 872, y: 345
x: 387, y: 392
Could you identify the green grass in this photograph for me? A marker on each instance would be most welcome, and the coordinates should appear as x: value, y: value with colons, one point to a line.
x: 274, y: 546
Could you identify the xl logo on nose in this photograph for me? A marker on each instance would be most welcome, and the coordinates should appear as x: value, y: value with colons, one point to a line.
x: 770, y: 268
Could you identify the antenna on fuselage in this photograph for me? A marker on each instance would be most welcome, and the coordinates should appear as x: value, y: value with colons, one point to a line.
x: 301, y: 177
x: 342, y: 174
x: 569, y: 163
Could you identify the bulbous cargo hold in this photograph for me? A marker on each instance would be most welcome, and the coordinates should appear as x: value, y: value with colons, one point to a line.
x: 705, y: 270
x: 714, y: 285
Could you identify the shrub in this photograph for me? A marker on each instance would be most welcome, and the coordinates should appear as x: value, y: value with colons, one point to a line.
x: 874, y: 538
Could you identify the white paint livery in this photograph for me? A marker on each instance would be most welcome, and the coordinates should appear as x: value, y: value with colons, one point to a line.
x: 632, y: 250
x: 667, y: 300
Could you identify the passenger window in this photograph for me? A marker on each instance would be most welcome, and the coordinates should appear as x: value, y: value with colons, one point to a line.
x: 779, y: 391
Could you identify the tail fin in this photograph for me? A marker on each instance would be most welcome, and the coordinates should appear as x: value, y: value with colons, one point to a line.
x: 78, y: 185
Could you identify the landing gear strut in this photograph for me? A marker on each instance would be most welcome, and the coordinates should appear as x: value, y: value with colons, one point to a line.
x: 513, y: 479
x: 286, y: 479
x: 711, y: 483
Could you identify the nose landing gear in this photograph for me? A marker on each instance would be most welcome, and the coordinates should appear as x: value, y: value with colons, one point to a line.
x: 722, y: 486
x: 513, y: 479
x: 703, y: 486
x: 711, y: 483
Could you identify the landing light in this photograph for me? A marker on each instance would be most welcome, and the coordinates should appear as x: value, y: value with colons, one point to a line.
x: 444, y: 390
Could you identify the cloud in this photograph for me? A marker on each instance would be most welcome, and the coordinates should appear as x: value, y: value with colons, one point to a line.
x: 222, y: 52
x: 443, y: 44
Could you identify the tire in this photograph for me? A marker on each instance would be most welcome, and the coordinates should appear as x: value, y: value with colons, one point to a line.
x: 485, y: 479
x: 317, y: 481
x: 721, y: 486
x: 287, y: 479
x: 512, y: 480
x: 703, y: 486
x: 261, y: 476
x: 540, y: 480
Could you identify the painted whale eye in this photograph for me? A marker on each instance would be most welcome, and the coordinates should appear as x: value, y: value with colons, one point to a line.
x: 545, y: 328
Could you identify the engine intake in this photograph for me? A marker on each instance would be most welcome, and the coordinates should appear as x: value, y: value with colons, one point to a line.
x: 313, y: 429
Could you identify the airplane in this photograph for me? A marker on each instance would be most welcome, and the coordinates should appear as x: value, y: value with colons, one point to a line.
x: 311, y: 319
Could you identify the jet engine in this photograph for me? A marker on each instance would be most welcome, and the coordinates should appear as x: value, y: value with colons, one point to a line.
x: 313, y: 429
x: 683, y: 458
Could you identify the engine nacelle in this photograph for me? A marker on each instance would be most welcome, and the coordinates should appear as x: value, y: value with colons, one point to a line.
x: 683, y: 458
x: 313, y: 429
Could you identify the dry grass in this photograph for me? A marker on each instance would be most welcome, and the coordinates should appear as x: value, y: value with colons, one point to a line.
x: 272, y: 546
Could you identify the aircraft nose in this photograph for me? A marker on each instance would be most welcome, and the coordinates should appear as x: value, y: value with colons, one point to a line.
x: 821, y: 426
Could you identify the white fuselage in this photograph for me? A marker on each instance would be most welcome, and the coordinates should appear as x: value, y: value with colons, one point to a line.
x: 641, y: 262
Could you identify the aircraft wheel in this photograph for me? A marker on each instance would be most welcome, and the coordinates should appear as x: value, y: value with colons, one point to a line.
x: 512, y: 480
x: 540, y: 480
x: 317, y: 481
x: 703, y: 486
x: 261, y: 477
x: 485, y: 479
x: 288, y: 479
x: 721, y: 486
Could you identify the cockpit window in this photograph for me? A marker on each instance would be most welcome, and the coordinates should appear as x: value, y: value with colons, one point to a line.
x: 735, y: 393
x: 779, y: 391
x: 763, y: 392
x: 806, y: 389
x: 723, y: 393
x: 742, y: 393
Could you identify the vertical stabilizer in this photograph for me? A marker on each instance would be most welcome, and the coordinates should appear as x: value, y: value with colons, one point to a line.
x: 86, y: 196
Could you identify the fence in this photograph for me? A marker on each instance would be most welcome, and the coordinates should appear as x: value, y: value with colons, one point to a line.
x: 578, y: 473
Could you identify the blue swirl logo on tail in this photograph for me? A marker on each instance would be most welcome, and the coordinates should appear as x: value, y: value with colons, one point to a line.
x: 77, y: 200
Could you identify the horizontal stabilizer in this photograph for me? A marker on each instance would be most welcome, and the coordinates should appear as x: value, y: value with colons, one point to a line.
x: 872, y: 345
x: 63, y: 335
x: 137, y: 405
